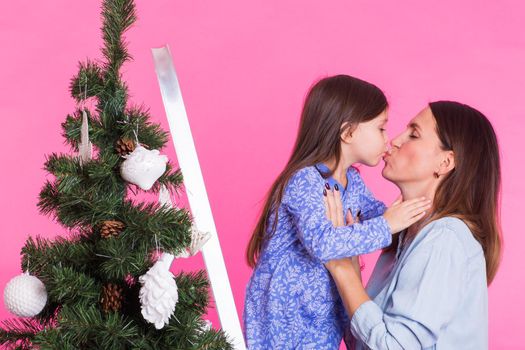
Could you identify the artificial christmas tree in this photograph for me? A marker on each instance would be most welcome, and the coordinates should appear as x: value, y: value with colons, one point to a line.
x: 96, y: 279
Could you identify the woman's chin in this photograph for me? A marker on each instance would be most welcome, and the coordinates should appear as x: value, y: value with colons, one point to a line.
x: 387, y: 173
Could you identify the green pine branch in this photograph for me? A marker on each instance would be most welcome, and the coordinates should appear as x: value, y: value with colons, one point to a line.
x: 81, y: 197
x: 89, y: 81
x: 18, y: 333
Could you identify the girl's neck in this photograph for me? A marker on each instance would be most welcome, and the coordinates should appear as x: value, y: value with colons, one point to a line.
x: 339, y: 171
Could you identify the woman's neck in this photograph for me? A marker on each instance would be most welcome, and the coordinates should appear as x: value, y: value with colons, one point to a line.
x: 417, y: 190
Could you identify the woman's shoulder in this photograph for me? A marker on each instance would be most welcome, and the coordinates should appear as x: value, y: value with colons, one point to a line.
x: 450, y: 232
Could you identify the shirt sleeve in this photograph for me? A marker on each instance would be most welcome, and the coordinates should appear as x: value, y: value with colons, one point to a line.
x: 370, y: 206
x: 426, y: 296
x: 303, y: 199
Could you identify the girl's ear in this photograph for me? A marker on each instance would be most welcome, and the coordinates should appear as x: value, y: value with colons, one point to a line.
x: 346, y: 132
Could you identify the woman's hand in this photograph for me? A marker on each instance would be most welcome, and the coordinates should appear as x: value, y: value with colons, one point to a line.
x: 403, y: 214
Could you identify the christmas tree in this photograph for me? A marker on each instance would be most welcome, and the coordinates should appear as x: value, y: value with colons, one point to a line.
x: 104, y: 286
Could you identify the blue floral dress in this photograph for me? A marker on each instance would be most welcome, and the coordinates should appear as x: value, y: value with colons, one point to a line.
x: 291, y: 300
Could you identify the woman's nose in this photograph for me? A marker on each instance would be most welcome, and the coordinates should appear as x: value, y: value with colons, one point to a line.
x: 396, y: 142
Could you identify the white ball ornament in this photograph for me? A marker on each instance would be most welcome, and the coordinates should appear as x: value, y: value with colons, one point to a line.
x: 143, y: 167
x: 25, y: 295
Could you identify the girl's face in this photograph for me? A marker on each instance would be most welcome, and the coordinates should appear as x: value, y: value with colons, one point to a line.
x: 416, y: 153
x: 368, y: 142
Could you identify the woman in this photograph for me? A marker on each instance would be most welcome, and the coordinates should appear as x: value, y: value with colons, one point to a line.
x: 429, y: 288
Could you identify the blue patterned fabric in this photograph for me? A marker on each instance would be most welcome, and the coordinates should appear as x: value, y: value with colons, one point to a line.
x: 291, y: 300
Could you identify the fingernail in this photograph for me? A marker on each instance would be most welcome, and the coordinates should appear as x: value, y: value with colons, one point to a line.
x: 327, y: 186
x: 336, y: 187
x: 324, y: 192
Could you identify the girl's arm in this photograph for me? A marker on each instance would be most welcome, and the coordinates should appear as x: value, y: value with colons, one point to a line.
x: 303, y: 199
x: 370, y: 206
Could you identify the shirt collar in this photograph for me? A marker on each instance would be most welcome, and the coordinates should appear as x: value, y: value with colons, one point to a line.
x: 323, y: 169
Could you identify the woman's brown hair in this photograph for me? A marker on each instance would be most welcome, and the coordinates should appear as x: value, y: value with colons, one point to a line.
x: 471, y: 190
x: 333, y: 106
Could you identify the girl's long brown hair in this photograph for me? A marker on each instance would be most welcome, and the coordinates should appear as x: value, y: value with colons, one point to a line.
x: 471, y: 190
x: 329, y: 104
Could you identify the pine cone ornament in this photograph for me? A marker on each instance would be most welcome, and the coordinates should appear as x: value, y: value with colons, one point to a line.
x: 111, y: 228
x: 159, y: 293
x: 125, y: 146
x: 111, y: 299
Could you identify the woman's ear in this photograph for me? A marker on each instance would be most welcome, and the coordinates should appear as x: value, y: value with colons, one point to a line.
x: 448, y: 163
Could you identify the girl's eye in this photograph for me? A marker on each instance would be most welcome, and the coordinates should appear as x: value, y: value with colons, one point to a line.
x: 382, y: 129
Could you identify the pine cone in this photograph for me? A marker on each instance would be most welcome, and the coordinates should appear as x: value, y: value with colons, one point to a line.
x: 111, y: 228
x: 125, y: 146
x: 111, y: 299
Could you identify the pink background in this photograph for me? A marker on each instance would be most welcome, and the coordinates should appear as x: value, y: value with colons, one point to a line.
x: 244, y: 68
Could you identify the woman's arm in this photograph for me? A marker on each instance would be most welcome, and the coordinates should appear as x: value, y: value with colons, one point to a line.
x: 348, y: 282
x: 427, y: 294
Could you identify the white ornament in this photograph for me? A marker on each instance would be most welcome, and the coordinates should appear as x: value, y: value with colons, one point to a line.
x: 25, y: 295
x: 143, y: 167
x: 198, y: 240
x: 159, y: 292
x: 85, y: 148
x: 198, y: 237
x: 164, y: 197
x: 207, y: 326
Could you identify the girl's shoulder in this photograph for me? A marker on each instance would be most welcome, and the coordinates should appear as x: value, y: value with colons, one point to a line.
x: 303, y: 184
x: 309, y: 174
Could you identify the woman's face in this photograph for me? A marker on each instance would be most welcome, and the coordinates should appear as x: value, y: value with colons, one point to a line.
x: 416, y: 153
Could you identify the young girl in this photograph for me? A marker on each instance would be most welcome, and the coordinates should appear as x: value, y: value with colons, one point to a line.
x: 291, y: 300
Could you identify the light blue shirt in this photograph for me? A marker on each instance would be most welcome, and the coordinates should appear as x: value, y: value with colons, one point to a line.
x: 431, y: 294
x: 291, y: 300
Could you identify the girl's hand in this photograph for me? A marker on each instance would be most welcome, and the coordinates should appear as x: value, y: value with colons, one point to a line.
x: 403, y: 214
x: 334, y: 213
x: 334, y: 208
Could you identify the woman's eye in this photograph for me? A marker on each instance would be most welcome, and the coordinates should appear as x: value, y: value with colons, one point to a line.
x: 413, y: 136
